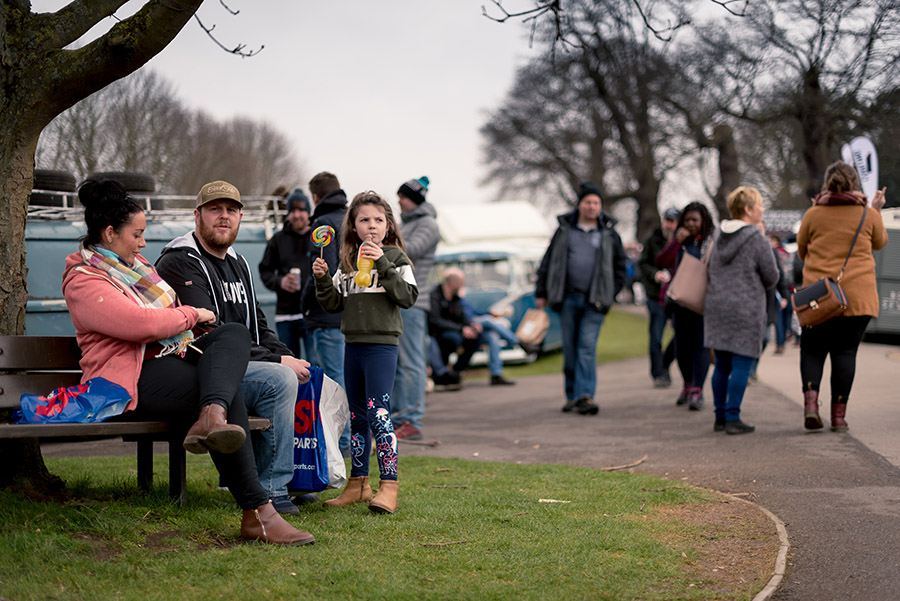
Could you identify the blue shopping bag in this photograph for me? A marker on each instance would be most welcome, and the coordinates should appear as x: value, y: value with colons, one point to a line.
x: 96, y: 400
x: 310, y: 454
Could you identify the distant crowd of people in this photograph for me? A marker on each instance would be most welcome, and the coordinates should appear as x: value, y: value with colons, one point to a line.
x: 751, y: 279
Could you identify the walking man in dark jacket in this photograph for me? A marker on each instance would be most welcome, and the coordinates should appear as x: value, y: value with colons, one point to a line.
x: 579, y: 277
x: 283, y: 269
x: 204, y: 269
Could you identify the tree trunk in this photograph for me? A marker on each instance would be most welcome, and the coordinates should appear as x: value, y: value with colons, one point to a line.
x: 729, y: 174
x: 39, y: 79
x: 647, y: 197
x: 812, y: 127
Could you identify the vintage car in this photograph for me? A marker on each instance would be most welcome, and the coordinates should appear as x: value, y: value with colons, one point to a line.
x: 499, y: 278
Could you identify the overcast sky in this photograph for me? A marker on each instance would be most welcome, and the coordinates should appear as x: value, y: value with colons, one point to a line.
x: 378, y: 92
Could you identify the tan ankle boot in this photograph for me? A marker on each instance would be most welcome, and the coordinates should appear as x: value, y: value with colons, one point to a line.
x: 356, y: 491
x: 211, y: 432
x: 385, y: 500
x: 266, y: 525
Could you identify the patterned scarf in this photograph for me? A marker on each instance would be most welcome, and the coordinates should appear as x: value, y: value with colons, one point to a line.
x: 152, y: 291
x: 840, y: 198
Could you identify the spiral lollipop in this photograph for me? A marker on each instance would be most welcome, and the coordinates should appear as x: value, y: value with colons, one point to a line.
x: 322, y: 237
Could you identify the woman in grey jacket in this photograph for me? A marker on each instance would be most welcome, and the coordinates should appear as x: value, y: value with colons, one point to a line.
x: 741, y: 269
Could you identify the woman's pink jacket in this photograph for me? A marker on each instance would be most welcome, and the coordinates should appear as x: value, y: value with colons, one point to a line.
x: 112, y: 326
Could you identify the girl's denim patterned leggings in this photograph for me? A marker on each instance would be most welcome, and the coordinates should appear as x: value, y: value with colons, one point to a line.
x: 369, y: 378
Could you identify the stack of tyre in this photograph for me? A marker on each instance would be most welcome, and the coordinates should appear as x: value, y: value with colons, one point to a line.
x: 49, y: 180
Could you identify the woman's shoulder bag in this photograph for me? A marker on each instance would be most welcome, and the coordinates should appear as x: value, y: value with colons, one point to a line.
x: 819, y: 302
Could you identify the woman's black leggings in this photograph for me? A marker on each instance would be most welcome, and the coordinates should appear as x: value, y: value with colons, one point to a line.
x: 693, y: 357
x: 840, y: 338
x: 173, y: 390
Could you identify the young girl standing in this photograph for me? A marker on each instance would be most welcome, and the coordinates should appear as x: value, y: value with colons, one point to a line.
x: 371, y: 325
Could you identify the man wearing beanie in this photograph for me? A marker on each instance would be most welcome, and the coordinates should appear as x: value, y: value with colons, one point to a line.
x: 283, y: 270
x: 420, y: 238
x: 579, y: 277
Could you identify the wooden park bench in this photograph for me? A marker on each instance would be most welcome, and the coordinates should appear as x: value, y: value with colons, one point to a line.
x: 39, y: 364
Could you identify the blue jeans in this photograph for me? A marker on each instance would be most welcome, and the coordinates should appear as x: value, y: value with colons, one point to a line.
x: 370, y: 377
x: 580, y: 323
x: 408, y: 398
x: 270, y: 391
x: 292, y: 333
x: 492, y: 333
x: 729, y: 382
x: 658, y: 319
x: 329, y: 351
x: 783, y: 323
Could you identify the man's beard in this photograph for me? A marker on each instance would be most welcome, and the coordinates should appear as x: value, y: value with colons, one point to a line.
x: 215, y: 239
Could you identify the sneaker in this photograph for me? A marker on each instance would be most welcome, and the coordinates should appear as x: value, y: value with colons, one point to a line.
x: 738, y: 427
x: 284, y: 506
x: 662, y: 382
x: 501, y: 381
x: 586, y: 406
x: 568, y: 407
x: 530, y: 349
x: 305, y: 498
x: 719, y: 426
x: 683, y: 397
x: 408, y: 431
x: 451, y: 379
x: 779, y: 350
x: 695, y: 401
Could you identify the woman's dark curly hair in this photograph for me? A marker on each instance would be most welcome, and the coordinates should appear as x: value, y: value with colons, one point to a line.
x: 106, y: 203
x: 706, y: 222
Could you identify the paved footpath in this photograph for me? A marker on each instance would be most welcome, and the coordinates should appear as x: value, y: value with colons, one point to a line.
x: 840, y: 500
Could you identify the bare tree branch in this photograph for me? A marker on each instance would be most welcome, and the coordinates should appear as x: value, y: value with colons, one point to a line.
x: 237, y: 50
x: 228, y: 8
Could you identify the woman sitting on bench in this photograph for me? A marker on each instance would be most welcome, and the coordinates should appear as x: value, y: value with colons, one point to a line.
x: 132, y: 331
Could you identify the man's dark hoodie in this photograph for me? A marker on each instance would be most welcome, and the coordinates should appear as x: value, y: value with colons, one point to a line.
x: 194, y: 275
x: 329, y: 211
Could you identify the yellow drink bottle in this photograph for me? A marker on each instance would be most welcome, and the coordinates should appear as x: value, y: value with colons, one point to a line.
x: 364, y: 276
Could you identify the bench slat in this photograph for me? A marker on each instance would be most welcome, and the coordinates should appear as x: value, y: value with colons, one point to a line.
x: 39, y: 352
x: 13, y: 386
x: 101, y: 429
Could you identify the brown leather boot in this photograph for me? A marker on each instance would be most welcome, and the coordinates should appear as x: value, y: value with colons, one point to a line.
x: 838, y: 423
x: 266, y: 525
x: 385, y: 500
x: 811, y: 418
x: 356, y: 491
x: 211, y: 432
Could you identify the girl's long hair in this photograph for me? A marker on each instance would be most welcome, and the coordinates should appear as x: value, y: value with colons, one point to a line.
x: 350, y: 241
x: 706, y: 222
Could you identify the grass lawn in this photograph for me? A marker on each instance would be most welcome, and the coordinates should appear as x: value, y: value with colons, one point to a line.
x: 465, y: 530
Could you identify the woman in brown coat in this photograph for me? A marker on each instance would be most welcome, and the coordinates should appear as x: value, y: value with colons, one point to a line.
x: 823, y: 241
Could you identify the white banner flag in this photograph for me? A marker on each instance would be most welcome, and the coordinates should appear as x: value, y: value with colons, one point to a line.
x: 860, y: 153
